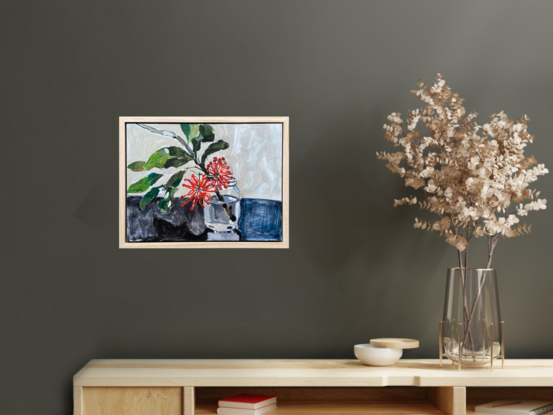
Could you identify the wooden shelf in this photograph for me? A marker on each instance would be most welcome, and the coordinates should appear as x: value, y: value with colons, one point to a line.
x: 479, y: 396
x: 303, y: 387
x: 287, y: 373
x: 333, y: 408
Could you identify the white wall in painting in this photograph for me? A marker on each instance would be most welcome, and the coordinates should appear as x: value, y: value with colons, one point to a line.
x: 254, y: 155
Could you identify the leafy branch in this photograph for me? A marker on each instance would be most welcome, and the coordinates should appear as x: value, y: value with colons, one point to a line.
x: 173, y: 156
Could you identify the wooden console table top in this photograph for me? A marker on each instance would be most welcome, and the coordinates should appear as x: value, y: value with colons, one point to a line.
x: 306, y: 373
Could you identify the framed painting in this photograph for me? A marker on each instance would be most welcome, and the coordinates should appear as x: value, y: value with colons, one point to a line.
x: 203, y: 182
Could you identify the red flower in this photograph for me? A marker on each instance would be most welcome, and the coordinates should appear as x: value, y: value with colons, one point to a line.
x: 220, y: 172
x: 199, y: 191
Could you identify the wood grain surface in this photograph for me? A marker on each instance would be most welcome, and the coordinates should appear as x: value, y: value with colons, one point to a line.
x: 132, y: 401
x: 212, y: 395
x: 450, y: 400
x: 307, y: 373
x: 418, y: 408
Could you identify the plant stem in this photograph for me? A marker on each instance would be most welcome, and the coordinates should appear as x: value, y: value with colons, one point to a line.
x: 231, y: 215
x: 492, y: 242
x: 192, y: 154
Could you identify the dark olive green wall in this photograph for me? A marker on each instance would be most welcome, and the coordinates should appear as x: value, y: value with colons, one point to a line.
x: 356, y: 268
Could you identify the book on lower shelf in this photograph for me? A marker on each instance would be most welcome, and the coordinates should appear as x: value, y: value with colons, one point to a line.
x: 515, y: 407
x: 247, y: 404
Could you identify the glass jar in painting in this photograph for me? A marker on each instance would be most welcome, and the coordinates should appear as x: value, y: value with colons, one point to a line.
x: 221, y: 216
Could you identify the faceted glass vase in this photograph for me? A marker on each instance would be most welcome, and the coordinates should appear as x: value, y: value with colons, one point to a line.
x: 472, y: 330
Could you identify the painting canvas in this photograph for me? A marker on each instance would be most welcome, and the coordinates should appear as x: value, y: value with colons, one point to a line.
x: 203, y: 182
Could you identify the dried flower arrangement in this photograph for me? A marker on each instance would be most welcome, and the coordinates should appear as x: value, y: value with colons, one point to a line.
x: 475, y: 178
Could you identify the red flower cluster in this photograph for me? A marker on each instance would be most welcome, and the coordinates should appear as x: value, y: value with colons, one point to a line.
x: 220, y: 172
x: 199, y: 191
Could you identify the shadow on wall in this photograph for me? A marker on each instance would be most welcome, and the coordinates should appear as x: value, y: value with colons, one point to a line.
x: 99, y: 208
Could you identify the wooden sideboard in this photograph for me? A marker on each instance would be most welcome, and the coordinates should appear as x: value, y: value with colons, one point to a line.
x: 318, y: 387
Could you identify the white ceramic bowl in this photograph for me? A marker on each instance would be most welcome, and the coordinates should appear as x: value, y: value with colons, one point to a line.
x: 377, y: 356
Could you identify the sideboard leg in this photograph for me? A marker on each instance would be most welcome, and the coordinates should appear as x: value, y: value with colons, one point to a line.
x: 77, y: 400
x: 188, y: 400
x: 451, y: 400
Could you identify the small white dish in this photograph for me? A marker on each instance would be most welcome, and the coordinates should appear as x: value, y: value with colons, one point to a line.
x: 376, y: 356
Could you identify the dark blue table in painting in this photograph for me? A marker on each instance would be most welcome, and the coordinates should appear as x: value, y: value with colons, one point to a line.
x: 260, y: 220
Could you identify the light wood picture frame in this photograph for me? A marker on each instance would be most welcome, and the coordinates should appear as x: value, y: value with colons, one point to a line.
x: 203, y: 182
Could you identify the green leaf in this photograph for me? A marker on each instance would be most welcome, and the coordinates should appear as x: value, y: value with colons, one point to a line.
x: 148, y: 197
x: 175, y: 162
x: 189, y: 130
x: 207, y: 133
x: 185, y: 129
x: 136, y: 166
x: 213, y: 148
x: 167, y: 203
x: 167, y: 157
x: 197, y: 143
x: 171, y: 187
x: 144, y: 184
x: 175, y: 179
x: 194, y: 130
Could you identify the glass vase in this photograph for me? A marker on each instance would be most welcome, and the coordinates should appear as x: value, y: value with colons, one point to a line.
x: 471, y: 330
x: 222, y: 216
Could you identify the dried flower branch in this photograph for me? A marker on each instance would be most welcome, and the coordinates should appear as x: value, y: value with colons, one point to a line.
x: 475, y: 178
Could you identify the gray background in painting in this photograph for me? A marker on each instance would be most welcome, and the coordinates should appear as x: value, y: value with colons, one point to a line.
x: 356, y: 268
x: 254, y: 155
